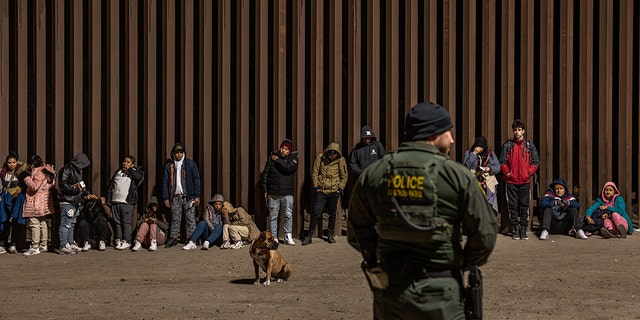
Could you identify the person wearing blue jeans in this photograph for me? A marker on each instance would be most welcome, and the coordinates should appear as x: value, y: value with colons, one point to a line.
x: 210, y: 226
x: 72, y: 192
x: 277, y: 183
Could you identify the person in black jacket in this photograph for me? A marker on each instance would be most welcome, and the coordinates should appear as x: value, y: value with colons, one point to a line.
x: 72, y: 192
x: 367, y: 151
x: 277, y: 182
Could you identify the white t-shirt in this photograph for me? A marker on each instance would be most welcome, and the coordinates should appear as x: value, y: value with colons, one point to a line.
x: 121, y: 184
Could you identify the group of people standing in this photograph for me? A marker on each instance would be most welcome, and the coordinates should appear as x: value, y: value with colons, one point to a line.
x: 518, y: 162
x: 30, y: 191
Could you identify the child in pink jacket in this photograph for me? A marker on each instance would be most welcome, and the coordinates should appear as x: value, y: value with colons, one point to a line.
x: 38, y: 203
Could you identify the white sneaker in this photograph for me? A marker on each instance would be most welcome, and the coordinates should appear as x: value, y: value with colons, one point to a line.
x: 12, y: 249
x: 225, y: 245
x: 205, y: 245
x: 75, y: 247
x: 102, y: 246
x: 237, y: 245
x: 189, y: 246
x: 2, y: 250
x: 289, y: 240
x: 118, y: 245
x: 125, y: 245
x: 87, y: 246
x: 153, y: 246
x: 137, y: 246
x: 545, y: 235
x: 31, y: 252
x: 44, y: 248
x: 66, y: 250
x: 580, y: 234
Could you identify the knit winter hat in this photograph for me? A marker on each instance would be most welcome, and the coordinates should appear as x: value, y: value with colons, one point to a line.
x: 425, y: 120
x: 216, y: 198
x: 287, y: 143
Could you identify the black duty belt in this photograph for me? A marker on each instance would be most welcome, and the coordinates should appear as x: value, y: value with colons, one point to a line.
x: 422, y: 272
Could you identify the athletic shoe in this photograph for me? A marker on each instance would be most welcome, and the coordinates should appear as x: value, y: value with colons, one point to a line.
x: 544, y: 235
x: 87, y: 246
x: 189, y: 246
x: 102, y: 246
x: 171, y: 242
x: 75, y: 247
x: 580, y: 235
x: 12, y: 249
x: 237, y: 245
x: 125, y: 245
x: 225, y: 245
x: 2, y: 250
x: 66, y: 250
x: 289, y: 240
x: 622, y: 231
x: 607, y: 233
x: 43, y: 248
x: 137, y: 246
x: 118, y: 245
x: 205, y: 245
x: 31, y: 252
x: 153, y: 246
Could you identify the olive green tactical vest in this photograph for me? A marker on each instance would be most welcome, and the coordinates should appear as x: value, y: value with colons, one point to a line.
x: 413, y: 185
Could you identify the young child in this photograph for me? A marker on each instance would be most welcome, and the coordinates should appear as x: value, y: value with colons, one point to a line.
x: 152, y: 227
x: 39, y: 202
x: 122, y: 197
x: 612, y: 209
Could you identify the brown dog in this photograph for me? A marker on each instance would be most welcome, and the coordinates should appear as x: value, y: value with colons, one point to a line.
x: 265, y: 256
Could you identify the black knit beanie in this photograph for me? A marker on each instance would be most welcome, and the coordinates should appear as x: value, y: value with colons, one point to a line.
x: 425, y: 120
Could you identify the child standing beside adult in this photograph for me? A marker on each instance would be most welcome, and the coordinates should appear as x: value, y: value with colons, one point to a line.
x: 122, y: 197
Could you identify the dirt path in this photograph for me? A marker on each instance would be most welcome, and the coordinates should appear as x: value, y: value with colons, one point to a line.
x: 561, y: 278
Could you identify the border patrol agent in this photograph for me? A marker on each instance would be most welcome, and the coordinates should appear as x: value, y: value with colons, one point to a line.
x: 407, y: 215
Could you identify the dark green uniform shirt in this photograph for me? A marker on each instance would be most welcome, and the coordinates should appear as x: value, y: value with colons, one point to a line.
x: 432, y: 190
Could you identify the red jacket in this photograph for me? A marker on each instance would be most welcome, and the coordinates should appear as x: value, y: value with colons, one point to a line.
x: 520, y: 160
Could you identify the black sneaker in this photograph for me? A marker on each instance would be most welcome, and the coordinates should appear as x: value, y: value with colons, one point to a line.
x: 523, y: 234
x: 607, y: 233
x: 516, y: 234
x: 172, y: 242
x: 622, y: 231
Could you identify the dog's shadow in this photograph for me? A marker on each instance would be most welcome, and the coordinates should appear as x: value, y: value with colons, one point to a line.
x: 244, y: 281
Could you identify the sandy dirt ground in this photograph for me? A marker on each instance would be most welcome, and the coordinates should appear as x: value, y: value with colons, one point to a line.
x: 561, y: 278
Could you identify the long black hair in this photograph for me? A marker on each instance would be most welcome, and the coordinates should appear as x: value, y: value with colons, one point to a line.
x: 35, y: 161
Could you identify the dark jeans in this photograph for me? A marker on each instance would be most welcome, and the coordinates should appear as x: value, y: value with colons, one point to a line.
x: 561, y: 226
x: 322, y: 199
x: 94, y: 233
x: 518, y: 204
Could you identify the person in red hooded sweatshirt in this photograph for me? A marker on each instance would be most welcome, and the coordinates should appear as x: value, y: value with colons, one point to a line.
x: 519, y: 161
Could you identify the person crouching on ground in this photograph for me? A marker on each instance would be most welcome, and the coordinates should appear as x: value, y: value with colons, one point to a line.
x: 238, y: 226
x: 152, y: 227
x: 617, y: 222
x: 561, y: 208
x: 209, y: 228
